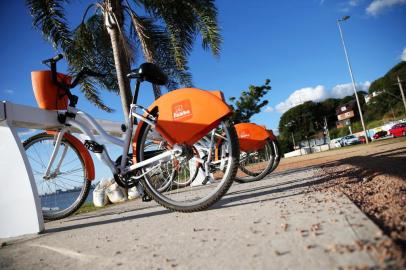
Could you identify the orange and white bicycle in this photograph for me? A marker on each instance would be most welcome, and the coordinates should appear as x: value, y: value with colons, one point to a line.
x: 259, y: 152
x: 162, y: 155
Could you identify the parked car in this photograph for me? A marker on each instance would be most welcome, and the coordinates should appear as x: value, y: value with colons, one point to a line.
x: 363, y: 140
x: 380, y: 134
x: 398, y: 130
x: 349, y: 140
x: 334, y: 143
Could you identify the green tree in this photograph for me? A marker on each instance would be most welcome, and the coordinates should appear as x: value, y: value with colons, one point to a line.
x: 249, y: 103
x: 303, y: 120
x: 388, y: 103
x: 110, y: 40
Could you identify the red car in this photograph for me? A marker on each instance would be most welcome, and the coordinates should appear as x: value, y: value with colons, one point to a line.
x: 398, y: 130
x: 363, y: 140
x: 380, y: 134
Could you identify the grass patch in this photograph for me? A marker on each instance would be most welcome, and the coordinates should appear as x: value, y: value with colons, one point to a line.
x: 89, y: 207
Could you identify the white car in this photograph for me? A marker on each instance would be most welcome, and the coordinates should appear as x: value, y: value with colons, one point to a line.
x: 349, y: 140
x: 335, y: 143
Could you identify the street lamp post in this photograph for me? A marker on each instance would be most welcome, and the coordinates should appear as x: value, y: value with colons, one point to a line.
x: 352, y: 76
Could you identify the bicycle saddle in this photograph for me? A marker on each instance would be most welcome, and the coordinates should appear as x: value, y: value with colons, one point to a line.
x: 149, y: 72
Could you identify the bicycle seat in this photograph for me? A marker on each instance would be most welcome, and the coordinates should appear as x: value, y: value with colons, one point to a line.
x: 149, y: 72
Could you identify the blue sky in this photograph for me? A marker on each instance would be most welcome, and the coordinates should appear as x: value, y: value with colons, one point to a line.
x: 296, y: 44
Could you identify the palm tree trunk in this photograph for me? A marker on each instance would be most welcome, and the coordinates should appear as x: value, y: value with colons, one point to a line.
x: 157, y: 91
x: 122, y: 70
x: 121, y: 63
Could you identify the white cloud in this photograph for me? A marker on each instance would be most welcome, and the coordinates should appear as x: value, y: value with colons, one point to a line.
x: 302, y: 95
x: 346, y: 89
x: 269, y: 109
x: 403, y: 56
x: 354, y: 3
x: 8, y: 91
x: 378, y: 5
x: 319, y: 93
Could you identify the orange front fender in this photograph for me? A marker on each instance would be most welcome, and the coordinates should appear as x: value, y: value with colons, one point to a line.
x: 186, y: 115
x: 83, y: 152
x: 251, y: 136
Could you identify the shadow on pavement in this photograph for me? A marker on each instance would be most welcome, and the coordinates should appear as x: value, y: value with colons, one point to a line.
x: 376, y: 164
x: 295, y: 187
x: 109, y: 213
x: 108, y: 221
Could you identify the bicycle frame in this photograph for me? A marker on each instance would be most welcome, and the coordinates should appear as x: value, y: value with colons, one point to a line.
x: 88, y: 121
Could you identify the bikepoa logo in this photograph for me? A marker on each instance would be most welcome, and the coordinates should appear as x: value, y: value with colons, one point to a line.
x: 244, y: 134
x: 182, y: 110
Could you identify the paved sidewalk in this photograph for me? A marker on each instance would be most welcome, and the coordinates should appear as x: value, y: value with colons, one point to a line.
x: 271, y: 224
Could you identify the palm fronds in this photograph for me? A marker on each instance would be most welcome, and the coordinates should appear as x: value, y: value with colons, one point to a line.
x: 48, y: 16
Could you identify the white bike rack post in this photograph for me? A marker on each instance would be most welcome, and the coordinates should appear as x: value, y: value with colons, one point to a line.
x: 20, y: 209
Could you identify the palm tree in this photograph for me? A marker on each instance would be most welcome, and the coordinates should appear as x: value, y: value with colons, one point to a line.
x: 110, y: 40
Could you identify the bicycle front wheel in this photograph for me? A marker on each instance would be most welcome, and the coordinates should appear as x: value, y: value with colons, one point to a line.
x: 200, y: 192
x: 65, y: 188
x: 256, y: 165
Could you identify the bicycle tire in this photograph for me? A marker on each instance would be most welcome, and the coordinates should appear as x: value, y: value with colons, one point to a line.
x: 49, y: 200
x: 277, y: 150
x: 220, y: 187
x: 262, y: 171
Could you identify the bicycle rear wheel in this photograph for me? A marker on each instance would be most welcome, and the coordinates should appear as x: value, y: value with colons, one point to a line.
x: 277, y: 151
x: 200, y: 193
x: 66, y: 188
x: 257, y: 164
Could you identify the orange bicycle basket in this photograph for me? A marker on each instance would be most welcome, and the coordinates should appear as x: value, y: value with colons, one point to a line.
x: 48, y: 95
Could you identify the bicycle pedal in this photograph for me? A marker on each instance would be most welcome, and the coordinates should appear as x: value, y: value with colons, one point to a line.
x: 146, y: 198
x: 206, y: 179
x: 94, y: 146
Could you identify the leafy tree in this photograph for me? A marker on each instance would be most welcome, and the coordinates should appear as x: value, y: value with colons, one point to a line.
x: 110, y: 40
x: 302, y: 120
x: 249, y: 103
x: 307, y: 119
x: 389, y: 101
x: 286, y: 144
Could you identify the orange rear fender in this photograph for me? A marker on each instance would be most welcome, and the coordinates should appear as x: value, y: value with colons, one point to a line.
x: 271, y: 135
x: 186, y: 115
x: 251, y: 136
x: 83, y: 152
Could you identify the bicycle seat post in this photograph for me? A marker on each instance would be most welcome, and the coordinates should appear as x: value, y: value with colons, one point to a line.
x: 137, y: 89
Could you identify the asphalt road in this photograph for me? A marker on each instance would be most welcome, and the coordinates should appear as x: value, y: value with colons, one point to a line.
x: 276, y: 223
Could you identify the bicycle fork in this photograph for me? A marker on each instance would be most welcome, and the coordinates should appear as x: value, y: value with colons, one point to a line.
x: 48, y: 175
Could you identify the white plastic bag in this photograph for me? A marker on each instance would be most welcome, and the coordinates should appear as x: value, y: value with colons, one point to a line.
x: 100, y: 198
x: 115, y: 194
x: 136, y: 192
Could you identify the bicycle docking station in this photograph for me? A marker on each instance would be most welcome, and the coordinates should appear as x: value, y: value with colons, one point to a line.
x: 20, y: 208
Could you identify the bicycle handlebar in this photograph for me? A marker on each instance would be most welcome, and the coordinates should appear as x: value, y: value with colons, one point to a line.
x: 53, y: 59
x: 84, y: 72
